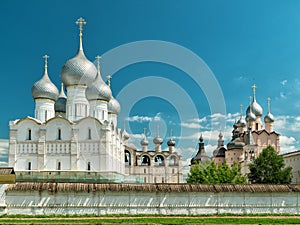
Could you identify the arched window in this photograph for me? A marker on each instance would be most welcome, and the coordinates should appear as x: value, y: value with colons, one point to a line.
x: 29, y: 167
x: 145, y: 160
x: 127, y: 158
x: 172, y: 161
x: 89, y: 134
x: 159, y: 160
x: 29, y: 134
x: 59, y: 134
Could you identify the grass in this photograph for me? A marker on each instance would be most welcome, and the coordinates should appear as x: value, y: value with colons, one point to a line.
x: 151, y: 219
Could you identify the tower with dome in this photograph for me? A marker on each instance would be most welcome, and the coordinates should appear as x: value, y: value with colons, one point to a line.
x: 249, y: 137
x: 74, y: 132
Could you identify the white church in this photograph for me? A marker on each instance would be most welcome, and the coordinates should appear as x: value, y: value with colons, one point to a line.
x: 75, y: 137
x: 77, y: 132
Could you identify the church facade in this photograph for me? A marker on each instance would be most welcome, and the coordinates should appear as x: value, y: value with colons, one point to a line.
x: 154, y: 166
x: 249, y: 137
x: 75, y: 132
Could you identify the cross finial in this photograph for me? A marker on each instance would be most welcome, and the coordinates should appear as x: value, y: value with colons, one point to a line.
x: 171, y: 133
x: 158, y: 131
x: 254, y: 92
x: 80, y: 22
x: 108, y: 80
x: 46, y: 62
x: 98, y: 57
x: 145, y: 132
x: 269, y: 104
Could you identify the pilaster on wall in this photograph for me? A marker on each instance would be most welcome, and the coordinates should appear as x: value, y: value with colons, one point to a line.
x: 74, y: 149
x: 41, y: 149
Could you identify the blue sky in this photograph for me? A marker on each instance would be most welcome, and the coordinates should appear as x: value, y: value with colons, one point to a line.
x: 241, y: 42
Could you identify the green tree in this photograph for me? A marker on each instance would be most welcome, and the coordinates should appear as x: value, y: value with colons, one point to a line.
x: 212, y: 174
x: 268, y: 168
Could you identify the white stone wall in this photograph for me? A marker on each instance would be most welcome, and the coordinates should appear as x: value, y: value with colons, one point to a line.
x: 187, y: 203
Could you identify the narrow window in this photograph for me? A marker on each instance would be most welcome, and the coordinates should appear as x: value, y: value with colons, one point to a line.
x: 154, y: 179
x: 163, y: 180
x: 173, y: 171
x: 29, y: 167
x: 103, y: 114
x: 46, y: 115
x: 145, y: 179
x: 89, y: 134
x: 58, y: 166
x: 59, y: 134
x: 256, y: 126
x: 89, y: 166
x: 29, y: 134
x: 145, y: 171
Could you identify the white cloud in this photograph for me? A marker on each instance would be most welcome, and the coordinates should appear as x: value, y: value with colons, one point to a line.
x: 139, y: 119
x: 283, y: 83
x: 191, y: 125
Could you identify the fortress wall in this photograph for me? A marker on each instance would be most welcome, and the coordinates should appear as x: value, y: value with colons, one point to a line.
x: 48, y: 202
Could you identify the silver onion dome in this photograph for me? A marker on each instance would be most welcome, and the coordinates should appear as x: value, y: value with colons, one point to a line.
x: 171, y: 142
x: 257, y: 109
x: 241, y: 122
x: 98, y: 90
x: 269, y: 118
x: 114, y: 106
x: 78, y: 71
x: 44, y: 88
x: 250, y: 116
x: 60, y: 104
x: 144, y: 142
x: 158, y: 140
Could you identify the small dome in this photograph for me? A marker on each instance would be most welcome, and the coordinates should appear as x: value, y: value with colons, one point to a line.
x: 78, y: 71
x: 171, y: 142
x: 114, y: 106
x: 269, y: 118
x: 44, y: 88
x: 98, y: 90
x: 220, y: 152
x: 250, y: 115
x: 158, y: 140
x: 60, y: 104
x: 144, y: 142
x: 235, y: 144
x: 241, y: 122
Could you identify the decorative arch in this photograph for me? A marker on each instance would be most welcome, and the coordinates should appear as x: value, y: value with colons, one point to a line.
x: 173, y: 160
x: 159, y: 160
x: 128, y: 161
x: 145, y: 160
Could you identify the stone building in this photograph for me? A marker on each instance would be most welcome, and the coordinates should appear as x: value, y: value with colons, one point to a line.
x: 154, y: 166
x: 75, y: 135
x: 292, y: 159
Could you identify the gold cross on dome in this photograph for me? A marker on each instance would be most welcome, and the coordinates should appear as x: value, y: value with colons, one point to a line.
x: 171, y: 133
x: 145, y: 131
x: 46, y: 57
x: 80, y: 22
x: 254, y: 90
x: 269, y: 104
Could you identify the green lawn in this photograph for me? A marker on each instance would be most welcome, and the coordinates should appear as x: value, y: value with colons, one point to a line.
x: 125, y: 219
